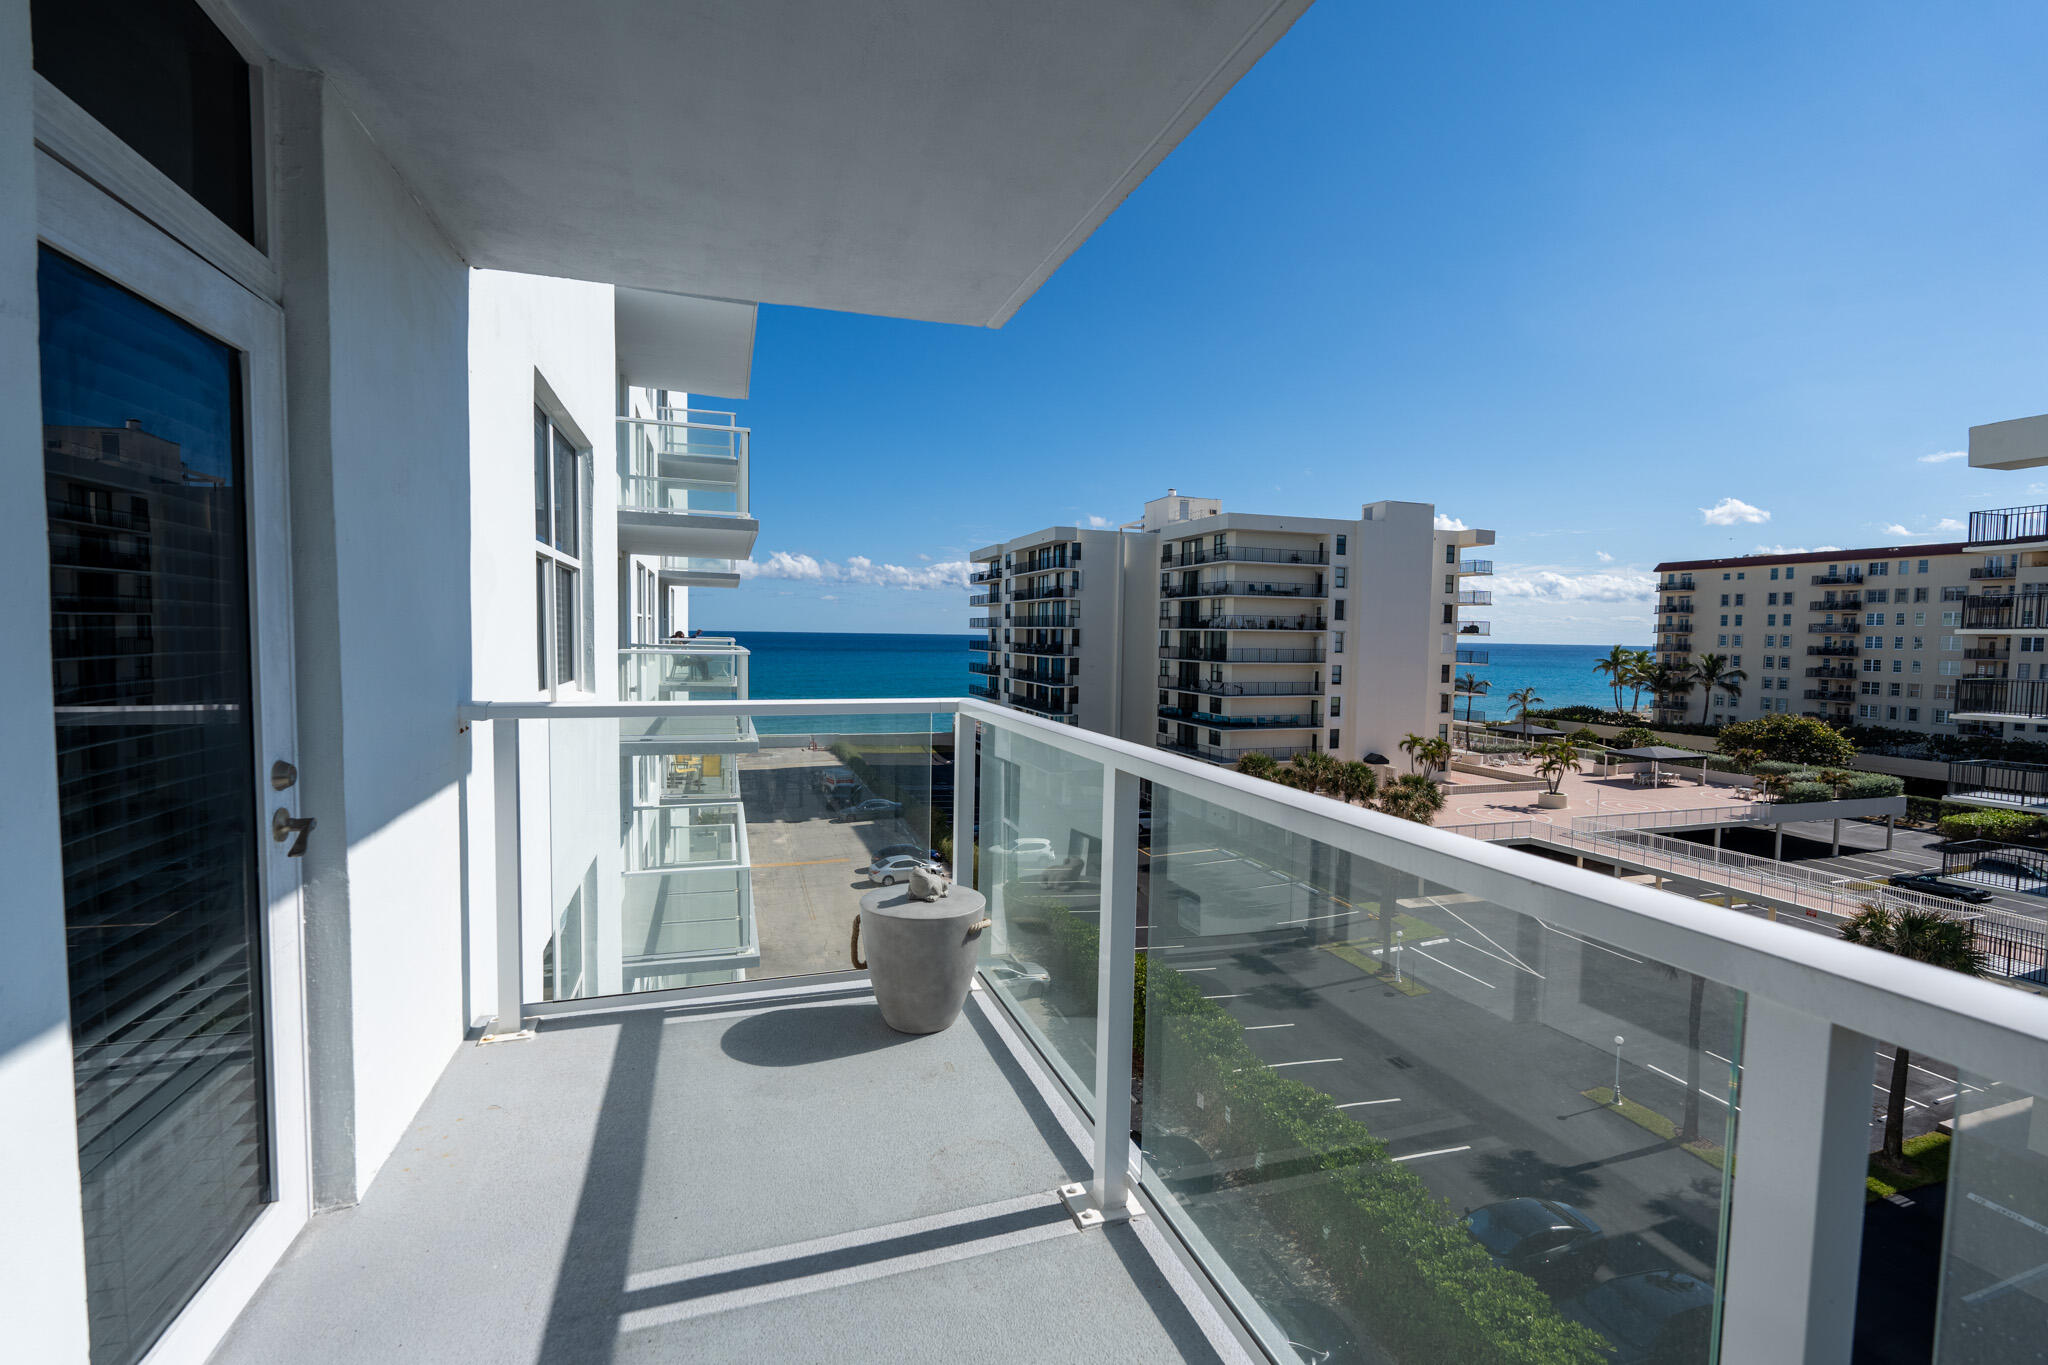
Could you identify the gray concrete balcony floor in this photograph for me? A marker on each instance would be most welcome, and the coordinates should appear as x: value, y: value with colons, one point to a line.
x: 782, y: 1180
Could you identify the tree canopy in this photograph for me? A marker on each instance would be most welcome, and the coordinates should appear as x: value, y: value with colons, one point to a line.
x: 1789, y: 739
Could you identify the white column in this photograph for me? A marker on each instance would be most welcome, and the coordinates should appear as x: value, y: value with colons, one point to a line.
x: 505, y: 832
x: 965, y: 779
x: 1108, y: 1188
x: 1796, y: 1226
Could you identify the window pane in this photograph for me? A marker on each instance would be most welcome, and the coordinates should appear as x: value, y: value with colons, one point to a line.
x: 156, y: 771
x: 540, y: 616
x: 566, y: 619
x: 165, y: 81
x: 565, y: 496
x: 541, y: 524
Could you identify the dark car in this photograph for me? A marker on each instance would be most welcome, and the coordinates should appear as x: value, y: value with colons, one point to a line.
x: 1648, y: 1319
x: 874, y: 808
x: 1931, y: 884
x: 906, y: 851
x: 1552, y: 1243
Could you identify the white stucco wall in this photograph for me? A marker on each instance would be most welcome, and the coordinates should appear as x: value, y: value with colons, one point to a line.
x: 42, y: 1257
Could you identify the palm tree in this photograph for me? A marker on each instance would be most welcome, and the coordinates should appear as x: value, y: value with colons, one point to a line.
x: 1473, y: 687
x: 1314, y: 772
x: 1412, y: 797
x: 1614, y: 667
x: 1710, y: 672
x: 1256, y: 764
x: 1554, y: 759
x: 1642, y: 673
x: 1523, y: 698
x: 1924, y: 936
x: 1411, y: 745
x: 1356, y: 782
x: 1435, y: 755
x: 1774, y: 785
x: 1836, y: 778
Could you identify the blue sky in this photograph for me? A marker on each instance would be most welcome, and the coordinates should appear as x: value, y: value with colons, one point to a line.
x: 1622, y: 282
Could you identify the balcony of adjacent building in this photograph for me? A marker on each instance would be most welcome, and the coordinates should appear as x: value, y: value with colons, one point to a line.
x: 1214, y: 1160
x: 1244, y: 588
x: 1217, y: 720
x: 1844, y: 696
x: 988, y: 575
x: 1836, y: 649
x: 986, y: 691
x: 1832, y: 671
x: 1052, y: 646
x: 982, y: 599
x: 1475, y: 597
x: 2000, y: 785
x: 698, y: 571
x: 1477, y: 658
x: 1042, y: 589
x: 1170, y: 558
x: 1836, y: 577
x: 1475, y: 627
x: 983, y: 622
x: 1473, y: 568
x: 1848, y: 601
x: 1046, y: 703
x: 1997, y: 569
x: 2001, y: 699
x: 683, y: 487
x: 1681, y: 606
x: 2005, y: 524
x: 2000, y: 613
x: 1832, y: 627
x: 1987, y: 654
x: 1234, y: 654
x: 1676, y: 583
x: 1170, y: 681
x: 988, y: 668
x: 1170, y: 620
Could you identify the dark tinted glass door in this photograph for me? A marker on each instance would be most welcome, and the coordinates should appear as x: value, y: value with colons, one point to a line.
x: 149, y: 622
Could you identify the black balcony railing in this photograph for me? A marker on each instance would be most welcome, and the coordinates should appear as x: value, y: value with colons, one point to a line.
x: 980, y: 599
x: 1996, y: 571
x: 1218, y: 754
x: 2022, y: 783
x: 1240, y: 588
x: 1215, y: 721
x: 984, y: 690
x: 2009, y: 523
x: 1474, y: 656
x: 1816, y: 694
x: 1839, y: 650
x: 1991, y: 653
x: 1475, y: 566
x: 1048, y: 647
x: 1475, y: 597
x: 980, y: 622
x: 1223, y: 654
x: 1475, y: 628
x: 981, y: 644
x: 2006, y: 611
x: 1822, y: 580
x: 1039, y: 591
x: 1831, y: 671
x: 2021, y: 698
x: 1683, y: 606
x: 984, y: 575
x: 988, y: 669
x: 1848, y: 601
x: 1216, y: 687
x: 1044, y: 706
x: 1172, y: 622
x: 1831, y: 628
x: 1676, y: 583
x: 1243, y: 554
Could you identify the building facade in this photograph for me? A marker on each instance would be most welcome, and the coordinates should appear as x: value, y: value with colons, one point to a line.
x: 1215, y: 633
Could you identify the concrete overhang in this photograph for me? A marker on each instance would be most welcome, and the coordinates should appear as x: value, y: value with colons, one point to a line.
x: 2021, y: 443
x: 686, y: 535
x: 932, y: 159
x: 677, y: 341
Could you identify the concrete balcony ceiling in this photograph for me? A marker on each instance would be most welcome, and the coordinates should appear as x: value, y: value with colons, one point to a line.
x: 930, y: 159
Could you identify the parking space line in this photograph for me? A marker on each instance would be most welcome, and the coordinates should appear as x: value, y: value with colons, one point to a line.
x: 1505, y: 954
x: 1498, y: 958
x: 1194, y: 969
x: 1681, y: 1084
x: 1254, y: 1028
x: 1915, y: 1066
x: 1360, y: 1104
x: 1307, y: 1061
x: 814, y: 862
x: 1886, y: 1091
x: 1441, y: 1151
x: 1223, y: 997
x: 1589, y: 942
x: 1459, y: 970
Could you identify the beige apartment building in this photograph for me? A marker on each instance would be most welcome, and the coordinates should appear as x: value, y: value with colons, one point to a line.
x: 1901, y: 636
x: 1216, y: 633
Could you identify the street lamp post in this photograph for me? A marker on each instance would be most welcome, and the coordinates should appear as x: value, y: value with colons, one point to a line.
x: 1617, y: 1068
x: 1398, y: 935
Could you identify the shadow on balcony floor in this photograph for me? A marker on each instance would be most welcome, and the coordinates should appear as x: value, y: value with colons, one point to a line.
x: 786, y: 1181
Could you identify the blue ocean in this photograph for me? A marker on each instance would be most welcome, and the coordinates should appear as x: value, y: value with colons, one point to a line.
x: 790, y: 664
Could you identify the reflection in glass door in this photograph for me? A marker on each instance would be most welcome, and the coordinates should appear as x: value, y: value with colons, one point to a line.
x: 149, y: 617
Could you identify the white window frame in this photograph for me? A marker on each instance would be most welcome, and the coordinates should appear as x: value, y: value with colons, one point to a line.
x: 548, y: 622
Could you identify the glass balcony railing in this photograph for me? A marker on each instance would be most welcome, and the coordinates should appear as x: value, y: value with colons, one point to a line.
x: 682, y: 671
x: 698, y: 564
x: 683, y: 466
x: 1400, y: 1094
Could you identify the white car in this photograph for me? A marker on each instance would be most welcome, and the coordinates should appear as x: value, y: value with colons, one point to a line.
x: 1020, y: 978
x: 1028, y: 852
x: 889, y: 871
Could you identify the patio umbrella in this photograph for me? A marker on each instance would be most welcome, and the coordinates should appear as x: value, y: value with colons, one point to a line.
x: 1654, y: 754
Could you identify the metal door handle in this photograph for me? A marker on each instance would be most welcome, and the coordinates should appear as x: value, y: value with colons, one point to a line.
x: 283, y: 826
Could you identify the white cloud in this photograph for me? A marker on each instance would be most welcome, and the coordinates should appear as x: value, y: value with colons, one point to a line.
x: 1603, y: 556
x: 1444, y: 523
x: 1943, y: 456
x: 1896, y: 530
x: 1949, y: 524
x: 858, y: 569
x: 1098, y: 523
x: 1551, y: 585
x: 1794, y: 549
x: 1729, y: 511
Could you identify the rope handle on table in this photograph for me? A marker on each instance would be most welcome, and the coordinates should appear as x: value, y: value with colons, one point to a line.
x: 854, y: 947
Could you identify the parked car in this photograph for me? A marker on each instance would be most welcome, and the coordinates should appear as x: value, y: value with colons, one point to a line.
x: 1552, y: 1243
x: 904, y: 850
x: 874, y: 808
x: 889, y: 871
x: 1026, y: 853
x: 1020, y: 978
x: 1314, y: 1330
x: 1180, y: 1161
x: 1931, y: 884
x: 1649, y: 1318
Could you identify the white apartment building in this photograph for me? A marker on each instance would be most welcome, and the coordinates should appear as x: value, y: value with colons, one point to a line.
x: 1215, y: 633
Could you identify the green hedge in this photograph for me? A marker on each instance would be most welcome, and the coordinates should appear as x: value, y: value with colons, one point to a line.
x: 1802, y: 792
x: 1865, y: 786
x: 1395, y: 1250
x: 2008, y: 825
x: 1779, y: 767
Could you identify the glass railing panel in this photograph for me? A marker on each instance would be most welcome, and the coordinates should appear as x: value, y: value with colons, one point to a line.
x: 1387, y: 1112
x: 1993, y: 1298
x: 702, y: 850
x: 1040, y: 865
x: 681, y: 672
x: 653, y: 493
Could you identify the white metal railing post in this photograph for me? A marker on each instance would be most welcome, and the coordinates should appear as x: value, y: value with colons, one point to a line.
x: 965, y: 770
x: 1108, y: 1189
x: 1802, y: 1145
x: 505, y: 843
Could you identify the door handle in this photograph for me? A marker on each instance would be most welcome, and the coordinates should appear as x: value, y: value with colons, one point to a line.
x: 283, y: 826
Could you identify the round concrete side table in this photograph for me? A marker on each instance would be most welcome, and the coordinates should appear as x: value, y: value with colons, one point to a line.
x: 920, y: 954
